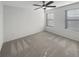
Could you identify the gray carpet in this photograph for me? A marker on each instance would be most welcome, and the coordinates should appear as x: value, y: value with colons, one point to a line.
x: 43, y: 44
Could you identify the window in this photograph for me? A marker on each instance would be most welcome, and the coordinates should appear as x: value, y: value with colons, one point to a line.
x: 50, y: 19
x: 72, y: 19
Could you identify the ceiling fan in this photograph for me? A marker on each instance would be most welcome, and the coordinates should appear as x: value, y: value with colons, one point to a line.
x: 44, y: 5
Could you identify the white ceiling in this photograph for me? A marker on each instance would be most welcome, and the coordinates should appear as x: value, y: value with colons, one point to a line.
x: 30, y: 3
x: 62, y: 3
x: 58, y: 3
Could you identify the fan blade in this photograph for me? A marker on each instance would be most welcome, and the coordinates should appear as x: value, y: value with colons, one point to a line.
x: 49, y: 3
x: 36, y: 5
x: 37, y: 8
x: 50, y: 6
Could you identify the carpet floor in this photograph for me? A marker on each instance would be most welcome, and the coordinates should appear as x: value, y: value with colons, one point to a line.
x: 43, y: 44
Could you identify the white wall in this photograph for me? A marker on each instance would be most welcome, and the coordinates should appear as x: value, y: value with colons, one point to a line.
x: 21, y: 21
x: 59, y: 14
x: 1, y: 25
